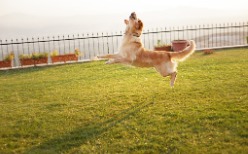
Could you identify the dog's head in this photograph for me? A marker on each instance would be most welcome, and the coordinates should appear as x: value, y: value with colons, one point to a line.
x: 134, y: 26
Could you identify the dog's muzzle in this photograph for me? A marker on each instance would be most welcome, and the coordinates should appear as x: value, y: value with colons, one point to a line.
x: 133, y: 16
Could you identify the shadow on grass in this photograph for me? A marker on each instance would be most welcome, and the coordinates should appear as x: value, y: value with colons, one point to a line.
x: 31, y: 69
x: 79, y: 136
x: 24, y: 70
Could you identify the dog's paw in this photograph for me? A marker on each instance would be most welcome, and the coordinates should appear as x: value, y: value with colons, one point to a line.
x: 94, y: 58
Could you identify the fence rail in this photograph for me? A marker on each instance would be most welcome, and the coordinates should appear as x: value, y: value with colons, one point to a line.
x: 91, y: 45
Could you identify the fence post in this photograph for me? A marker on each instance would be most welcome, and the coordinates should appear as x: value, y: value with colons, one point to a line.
x: 44, y: 45
x: 73, y: 43
x: 59, y: 43
x: 7, y: 45
x: 84, y: 45
x: 1, y: 47
x: 93, y: 45
x: 107, y: 44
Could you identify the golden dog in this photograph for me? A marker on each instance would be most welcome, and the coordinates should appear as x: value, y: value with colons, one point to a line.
x: 132, y: 52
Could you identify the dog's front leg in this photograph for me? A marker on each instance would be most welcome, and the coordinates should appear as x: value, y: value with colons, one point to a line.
x: 118, y: 60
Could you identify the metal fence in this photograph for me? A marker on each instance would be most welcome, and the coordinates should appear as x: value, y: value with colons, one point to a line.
x: 91, y: 45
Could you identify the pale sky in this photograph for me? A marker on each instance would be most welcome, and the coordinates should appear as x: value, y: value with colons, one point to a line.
x: 81, y: 7
x: 45, y: 17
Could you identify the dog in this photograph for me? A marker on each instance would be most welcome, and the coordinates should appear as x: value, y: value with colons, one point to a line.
x: 132, y: 52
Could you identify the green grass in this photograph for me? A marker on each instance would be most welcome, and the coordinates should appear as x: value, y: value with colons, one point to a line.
x: 98, y: 108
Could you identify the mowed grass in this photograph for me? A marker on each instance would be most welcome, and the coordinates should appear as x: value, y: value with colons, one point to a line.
x: 97, y: 108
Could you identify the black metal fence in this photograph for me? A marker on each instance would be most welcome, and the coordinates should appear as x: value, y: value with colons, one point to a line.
x: 91, y: 45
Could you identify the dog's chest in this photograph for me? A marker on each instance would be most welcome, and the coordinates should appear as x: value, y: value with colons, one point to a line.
x: 129, y: 48
x: 128, y: 52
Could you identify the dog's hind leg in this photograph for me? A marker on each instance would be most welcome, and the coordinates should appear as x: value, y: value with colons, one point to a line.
x: 168, y: 69
x: 173, y: 78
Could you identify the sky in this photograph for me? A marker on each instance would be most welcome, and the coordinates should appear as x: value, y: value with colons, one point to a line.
x: 69, y: 16
x: 79, y: 7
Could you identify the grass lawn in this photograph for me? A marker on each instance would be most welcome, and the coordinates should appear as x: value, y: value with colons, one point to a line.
x: 97, y: 108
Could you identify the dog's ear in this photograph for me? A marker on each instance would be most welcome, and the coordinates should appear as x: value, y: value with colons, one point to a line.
x: 139, y: 25
x: 126, y: 21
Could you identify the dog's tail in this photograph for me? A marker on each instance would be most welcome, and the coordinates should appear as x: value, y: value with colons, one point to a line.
x: 185, y: 53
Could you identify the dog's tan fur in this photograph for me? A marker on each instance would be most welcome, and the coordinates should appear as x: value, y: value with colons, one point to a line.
x: 132, y: 52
